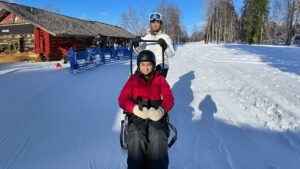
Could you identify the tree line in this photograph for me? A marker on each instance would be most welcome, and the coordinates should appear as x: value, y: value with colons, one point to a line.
x: 259, y: 22
x: 256, y: 22
x: 138, y: 24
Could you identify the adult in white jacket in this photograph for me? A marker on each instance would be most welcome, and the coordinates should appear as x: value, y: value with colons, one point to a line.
x: 164, y: 42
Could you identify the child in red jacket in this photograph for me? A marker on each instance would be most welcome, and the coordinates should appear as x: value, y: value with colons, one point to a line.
x: 147, y: 98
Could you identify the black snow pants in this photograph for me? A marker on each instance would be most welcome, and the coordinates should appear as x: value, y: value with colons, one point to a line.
x: 147, y: 143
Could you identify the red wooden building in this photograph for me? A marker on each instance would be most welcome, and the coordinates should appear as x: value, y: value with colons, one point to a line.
x: 26, y: 29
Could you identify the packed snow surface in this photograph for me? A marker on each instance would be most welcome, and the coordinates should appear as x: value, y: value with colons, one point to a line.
x: 236, y: 107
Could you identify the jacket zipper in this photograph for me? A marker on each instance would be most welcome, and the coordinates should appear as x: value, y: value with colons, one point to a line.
x: 148, y: 88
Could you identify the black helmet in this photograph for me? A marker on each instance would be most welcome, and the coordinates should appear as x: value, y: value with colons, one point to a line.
x: 146, y: 55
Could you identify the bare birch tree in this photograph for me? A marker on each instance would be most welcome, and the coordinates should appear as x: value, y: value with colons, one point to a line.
x: 222, y: 22
x: 130, y: 21
x: 276, y: 20
x: 171, y: 20
x: 124, y: 21
x: 290, y: 6
x: 133, y: 21
x: 144, y: 21
x: 297, y: 24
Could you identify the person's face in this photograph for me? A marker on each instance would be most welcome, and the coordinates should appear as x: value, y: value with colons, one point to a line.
x: 146, y: 67
x: 155, y: 25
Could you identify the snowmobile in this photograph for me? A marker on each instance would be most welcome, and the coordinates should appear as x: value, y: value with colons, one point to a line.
x: 124, y: 123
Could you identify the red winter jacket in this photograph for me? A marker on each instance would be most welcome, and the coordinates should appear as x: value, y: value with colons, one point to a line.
x: 153, y: 90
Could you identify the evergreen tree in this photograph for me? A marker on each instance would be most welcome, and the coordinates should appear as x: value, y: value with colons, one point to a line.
x: 254, y: 16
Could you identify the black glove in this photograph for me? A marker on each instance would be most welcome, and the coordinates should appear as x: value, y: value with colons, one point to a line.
x: 136, y: 41
x: 162, y: 43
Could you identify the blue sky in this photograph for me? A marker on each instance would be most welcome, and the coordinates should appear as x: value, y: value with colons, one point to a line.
x: 109, y: 11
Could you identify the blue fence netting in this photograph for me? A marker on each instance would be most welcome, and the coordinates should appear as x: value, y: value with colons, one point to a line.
x: 177, y: 44
x: 81, y: 60
x: 85, y: 59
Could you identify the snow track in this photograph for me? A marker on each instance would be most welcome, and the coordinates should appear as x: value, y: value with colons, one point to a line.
x: 247, y: 93
x: 249, y: 87
x: 236, y: 107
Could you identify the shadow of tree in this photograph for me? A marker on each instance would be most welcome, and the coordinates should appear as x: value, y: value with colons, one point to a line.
x: 286, y: 60
x: 61, y: 120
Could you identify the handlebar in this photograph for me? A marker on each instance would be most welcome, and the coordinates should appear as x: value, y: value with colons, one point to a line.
x: 141, y: 40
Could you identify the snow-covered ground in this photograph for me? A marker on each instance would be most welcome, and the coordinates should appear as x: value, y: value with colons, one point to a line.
x: 236, y: 107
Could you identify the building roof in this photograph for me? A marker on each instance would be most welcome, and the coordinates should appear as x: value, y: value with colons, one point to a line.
x: 60, y: 25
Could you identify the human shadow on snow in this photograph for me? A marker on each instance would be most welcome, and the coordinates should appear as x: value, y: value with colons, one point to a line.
x: 213, y: 143
x: 73, y: 130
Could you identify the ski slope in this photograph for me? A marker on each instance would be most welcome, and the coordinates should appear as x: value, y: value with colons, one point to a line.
x: 236, y: 107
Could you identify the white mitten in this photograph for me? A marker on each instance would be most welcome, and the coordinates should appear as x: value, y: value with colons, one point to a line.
x: 142, y: 114
x: 156, y: 115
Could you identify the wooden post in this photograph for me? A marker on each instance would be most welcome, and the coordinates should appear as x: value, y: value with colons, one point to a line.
x: 47, y: 46
x: 37, y: 40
